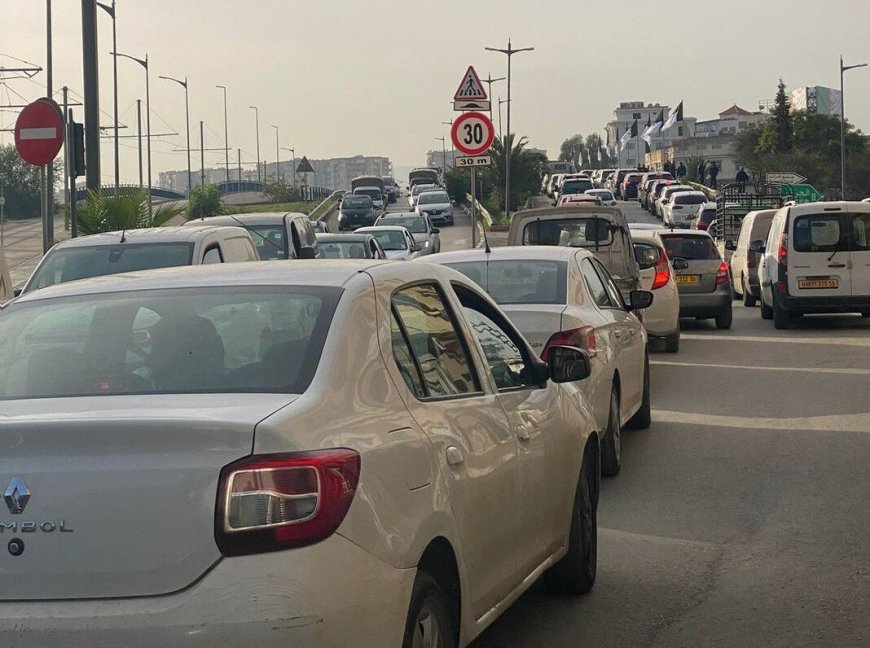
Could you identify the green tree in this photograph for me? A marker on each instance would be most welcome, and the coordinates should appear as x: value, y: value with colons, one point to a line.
x: 457, y: 183
x: 779, y: 130
x: 571, y: 149
x: 122, y: 212
x: 204, y: 202
x: 19, y: 183
x: 280, y: 192
x: 527, y: 169
x: 593, y: 146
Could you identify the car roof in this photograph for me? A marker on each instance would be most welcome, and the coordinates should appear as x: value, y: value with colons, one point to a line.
x: 318, y: 272
x: 508, y: 253
x: 646, y: 235
x: 841, y: 206
x: 382, y: 228
x: 256, y: 218
x: 342, y: 238
x: 693, y: 193
x: 666, y: 232
x: 639, y: 227
x: 390, y: 215
x: 186, y: 234
x: 579, y: 209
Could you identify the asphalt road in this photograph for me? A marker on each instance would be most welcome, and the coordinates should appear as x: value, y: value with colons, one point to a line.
x: 740, y: 517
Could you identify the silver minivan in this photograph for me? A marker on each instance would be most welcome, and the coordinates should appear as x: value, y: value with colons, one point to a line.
x: 744, y: 262
x: 816, y: 260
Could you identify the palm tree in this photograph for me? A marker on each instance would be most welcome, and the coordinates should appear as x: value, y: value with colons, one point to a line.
x: 527, y: 169
x: 121, y: 212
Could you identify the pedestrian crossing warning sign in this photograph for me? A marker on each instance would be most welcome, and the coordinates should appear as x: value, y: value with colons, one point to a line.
x: 471, y: 89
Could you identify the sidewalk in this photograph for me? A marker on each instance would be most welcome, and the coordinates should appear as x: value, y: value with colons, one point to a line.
x: 22, y: 245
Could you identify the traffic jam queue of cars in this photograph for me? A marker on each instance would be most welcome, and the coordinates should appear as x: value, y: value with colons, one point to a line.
x: 308, y: 421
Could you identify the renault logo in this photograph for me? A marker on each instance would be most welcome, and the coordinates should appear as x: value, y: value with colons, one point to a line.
x: 16, y: 495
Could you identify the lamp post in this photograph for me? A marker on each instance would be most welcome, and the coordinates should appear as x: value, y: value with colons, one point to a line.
x: 226, y: 136
x: 292, y: 163
x: 110, y: 9
x: 257, y: 118
x: 489, y: 81
x: 509, y: 52
x: 277, y: 155
x: 144, y: 64
x: 843, y: 69
x: 443, y: 153
x: 500, y: 102
x: 183, y: 84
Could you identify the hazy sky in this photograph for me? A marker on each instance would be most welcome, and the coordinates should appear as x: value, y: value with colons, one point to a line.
x: 345, y: 77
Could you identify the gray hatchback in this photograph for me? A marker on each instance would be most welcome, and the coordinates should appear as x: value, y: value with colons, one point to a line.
x: 703, y: 281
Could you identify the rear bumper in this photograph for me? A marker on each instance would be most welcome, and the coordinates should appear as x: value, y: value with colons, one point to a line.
x: 857, y: 304
x: 705, y: 305
x: 662, y: 318
x: 313, y: 596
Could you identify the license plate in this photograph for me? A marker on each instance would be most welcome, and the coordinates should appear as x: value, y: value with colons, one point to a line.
x: 821, y: 282
x: 687, y: 280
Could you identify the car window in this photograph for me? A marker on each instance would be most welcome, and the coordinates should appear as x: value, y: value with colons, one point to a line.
x: 861, y: 232
x: 165, y: 341
x: 509, y: 368
x: 818, y: 233
x: 689, y: 199
x: 414, y: 224
x: 596, y: 287
x: 435, y: 342
x: 408, y: 367
x: 520, y: 281
x: 609, y: 284
x: 433, y: 198
x: 269, y: 241
x: 571, y: 232
x: 691, y: 248
x: 212, y: 255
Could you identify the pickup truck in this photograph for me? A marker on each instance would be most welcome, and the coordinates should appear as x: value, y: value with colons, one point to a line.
x: 276, y: 235
x: 139, y: 249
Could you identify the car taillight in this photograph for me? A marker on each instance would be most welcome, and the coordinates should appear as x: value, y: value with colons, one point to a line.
x: 722, y: 274
x: 582, y: 338
x: 279, y: 501
x: 663, y: 271
x: 782, y: 253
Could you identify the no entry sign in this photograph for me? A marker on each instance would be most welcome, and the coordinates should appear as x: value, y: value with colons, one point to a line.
x: 39, y: 132
x: 472, y: 133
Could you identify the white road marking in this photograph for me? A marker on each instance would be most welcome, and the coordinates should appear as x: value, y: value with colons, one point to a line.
x: 828, y: 423
x: 840, y: 341
x: 37, y: 133
x: 823, y: 370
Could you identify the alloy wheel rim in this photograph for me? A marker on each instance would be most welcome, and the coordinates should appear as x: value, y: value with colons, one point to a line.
x: 427, y: 629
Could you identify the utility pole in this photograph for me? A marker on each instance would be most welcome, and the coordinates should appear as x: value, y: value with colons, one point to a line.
x: 277, y: 155
x: 240, y: 169
x: 110, y: 9
x: 90, y: 66
x: 509, y: 52
x: 48, y: 223
x: 201, y: 155
x: 292, y: 163
x: 226, y: 135
x: 843, y: 69
x: 183, y: 84
x: 489, y: 81
x: 139, y: 136
x: 443, y: 153
x: 257, y: 117
x: 144, y: 64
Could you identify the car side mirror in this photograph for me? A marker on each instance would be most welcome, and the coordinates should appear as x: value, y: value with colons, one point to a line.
x: 435, y: 230
x: 306, y: 253
x: 415, y: 248
x: 16, y: 292
x: 568, y: 364
x: 680, y: 264
x: 639, y: 299
x: 756, y: 247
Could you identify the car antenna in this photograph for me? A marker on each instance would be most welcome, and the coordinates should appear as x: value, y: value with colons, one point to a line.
x: 124, y: 235
x: 250, y: 230
x: 486, y: 248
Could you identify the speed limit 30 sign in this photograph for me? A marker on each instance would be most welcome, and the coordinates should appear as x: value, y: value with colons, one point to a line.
x: 472, y: 133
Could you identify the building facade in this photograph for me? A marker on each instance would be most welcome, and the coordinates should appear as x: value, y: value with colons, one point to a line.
x: 434, y: 159
x: 624, y: 118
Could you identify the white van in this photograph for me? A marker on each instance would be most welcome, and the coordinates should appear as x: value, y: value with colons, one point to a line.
x: 744, y: 263
x: 816, y: 260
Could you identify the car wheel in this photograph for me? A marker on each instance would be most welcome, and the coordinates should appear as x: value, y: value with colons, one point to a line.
x: 611, y: 451
x: 748, y: 298
x: 643, y: 417
x: 723, y: 319
x: 575, y: 572
x: 781, y: 317
x: 672, y: 342
x: 429, y: 620
x: 766, y: 311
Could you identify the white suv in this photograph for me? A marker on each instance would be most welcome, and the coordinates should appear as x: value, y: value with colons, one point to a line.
x: 816, y: 260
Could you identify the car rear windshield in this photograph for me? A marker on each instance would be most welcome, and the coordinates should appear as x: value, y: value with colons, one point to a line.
x: 434, y: 198
x: 571, y: 232
x: 202, y: 340
x: 414, y: 224
x: 576, y: 186
x: 519, y: 281
x: 374, y: 194
x: 690, y: 200
x: 357, y: 202
x: 342, y: 250
x: 819, y: 233
x: 708, y: 215
x: 391, y: 240
x: 83, y: 262
x: 691, y: 248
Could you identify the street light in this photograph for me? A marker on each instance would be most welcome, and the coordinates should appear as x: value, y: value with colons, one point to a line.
x: 277, y: 154
x: 292, y: 164
x: 500, y: 102
x: 110, y: 9
x: 183, y: 84
x: 144, y: 64
x: 509, y: 52
x: 443, y: 153
x: 844, y: 68
x: 257, y: 117
x: 226, y: 136
x: 489, y: 81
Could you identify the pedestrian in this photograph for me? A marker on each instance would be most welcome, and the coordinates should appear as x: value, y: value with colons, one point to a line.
x: 669, y: 167
x: 742, y: 179
x: 702, y: 172
x: 681, y: 170
x: 714, y: 171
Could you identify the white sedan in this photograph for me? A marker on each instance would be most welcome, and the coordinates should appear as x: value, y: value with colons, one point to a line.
x: 562, y: 295
x: 321, y: 453
x: 605, y: 195
x: 662, y: 319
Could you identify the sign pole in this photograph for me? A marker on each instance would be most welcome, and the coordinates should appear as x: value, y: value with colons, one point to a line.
x: 473, y: 209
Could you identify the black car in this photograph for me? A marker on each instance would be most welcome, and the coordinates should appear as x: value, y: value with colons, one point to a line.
x: 356, y: 211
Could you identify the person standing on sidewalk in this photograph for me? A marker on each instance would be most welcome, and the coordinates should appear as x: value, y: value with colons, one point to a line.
x: 714, y: 172
x: 742, y: 179
x: 702, y: 172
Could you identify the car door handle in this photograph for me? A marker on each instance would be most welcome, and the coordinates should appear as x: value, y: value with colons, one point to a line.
x: 523, y: 433
x: 836, y: 265
x: 454, y: 456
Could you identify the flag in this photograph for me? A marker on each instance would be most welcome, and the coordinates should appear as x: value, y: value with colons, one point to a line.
x: 630, y: 134
x: 656, y: 128
x: 674, y: 116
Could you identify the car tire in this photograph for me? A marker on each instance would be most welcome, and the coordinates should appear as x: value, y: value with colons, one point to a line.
x: 642, y: 418
x: 724, y: 319
x: 766, y: 311
x: 611, y: 447
x: 429, y: 621
x: 672, y: 342
x: 575, y: 572
x: 781, y: 317
x: 748, y: 297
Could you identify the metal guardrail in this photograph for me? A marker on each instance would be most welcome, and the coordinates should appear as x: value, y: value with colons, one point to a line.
x: 313, y: 214
x: 479, y: 208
